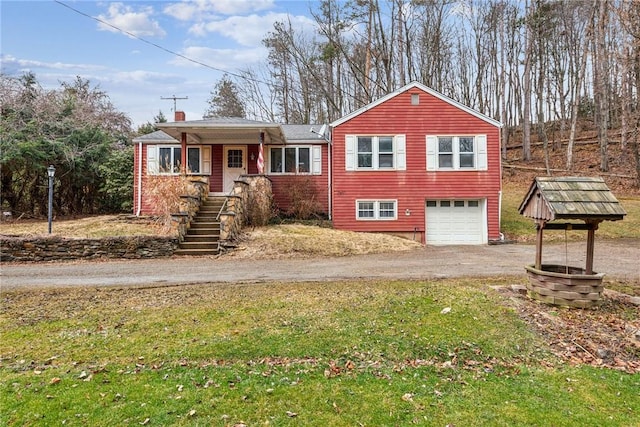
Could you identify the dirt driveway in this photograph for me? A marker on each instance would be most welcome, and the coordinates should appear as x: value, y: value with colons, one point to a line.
x: 618, y: 259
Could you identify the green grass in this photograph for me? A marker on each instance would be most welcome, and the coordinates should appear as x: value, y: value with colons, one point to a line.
x: 348, y: 353
x: 522, y: 229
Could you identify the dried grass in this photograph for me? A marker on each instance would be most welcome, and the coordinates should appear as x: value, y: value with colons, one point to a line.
x: 87, y: 227
x: 283, y: 241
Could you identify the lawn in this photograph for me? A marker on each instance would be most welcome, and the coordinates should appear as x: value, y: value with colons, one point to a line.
x: 443, y: 352
x: 521, y: 229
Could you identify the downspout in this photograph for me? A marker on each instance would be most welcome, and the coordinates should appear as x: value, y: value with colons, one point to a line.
x: 500, y: 215
x: 330, y: 199
x: 139, y: 179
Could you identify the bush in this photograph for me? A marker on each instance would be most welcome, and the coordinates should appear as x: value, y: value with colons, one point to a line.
x: 165, y: 191
x: 303, y: 198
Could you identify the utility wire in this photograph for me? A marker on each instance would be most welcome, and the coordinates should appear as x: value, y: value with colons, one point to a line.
x: 130, y: 34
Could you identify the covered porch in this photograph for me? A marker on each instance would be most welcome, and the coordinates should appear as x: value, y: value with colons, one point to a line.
x: 219, y: 150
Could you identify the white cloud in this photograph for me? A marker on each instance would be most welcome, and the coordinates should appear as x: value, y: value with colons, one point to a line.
x: 12, y: 65
x: 205, y: 9
x: 224, y: 59
x: 250, y: 30
x: 138, y: 23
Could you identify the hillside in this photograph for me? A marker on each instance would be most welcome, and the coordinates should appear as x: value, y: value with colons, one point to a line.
x: 621, y: 177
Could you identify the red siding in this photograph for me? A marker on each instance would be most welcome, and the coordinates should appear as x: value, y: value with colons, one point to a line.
x: 148, y: 203
x: 413, y: 186
x: 281, y: 185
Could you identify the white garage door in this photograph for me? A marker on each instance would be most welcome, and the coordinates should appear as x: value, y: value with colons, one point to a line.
x: 455, y: 222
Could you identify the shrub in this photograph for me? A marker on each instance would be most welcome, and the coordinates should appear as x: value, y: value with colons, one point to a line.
x: 165, y: 191
x: 303, y: 198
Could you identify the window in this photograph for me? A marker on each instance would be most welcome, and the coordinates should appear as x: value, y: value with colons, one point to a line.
x: 166, y: 159
x: 457, y: 152
x: 193, y: 160
x: 375, y: 152
x: 169, y: 159
x: 376, y: 209
x: 370, y: 152
x: 234, y: 159
x: 294, y: 160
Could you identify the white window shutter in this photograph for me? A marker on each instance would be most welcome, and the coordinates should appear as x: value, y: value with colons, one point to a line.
x: 152, y: 160
x: 350, y: 152
x: 481, y: 141
x: 401, y: 152
x: 205, y: 152
x: 432, y: 142
x: 316, y: 162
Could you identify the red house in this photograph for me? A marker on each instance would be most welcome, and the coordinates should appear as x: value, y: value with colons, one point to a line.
x: 418, y: 164
x: 413, y: 163
x: 220, y: 150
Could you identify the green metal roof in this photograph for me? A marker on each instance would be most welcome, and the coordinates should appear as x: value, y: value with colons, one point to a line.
x: 571, y: 197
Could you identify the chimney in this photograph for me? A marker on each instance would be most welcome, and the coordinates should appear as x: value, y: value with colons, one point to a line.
x: 180, y: 116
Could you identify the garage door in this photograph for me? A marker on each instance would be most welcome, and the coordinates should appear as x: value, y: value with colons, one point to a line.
x: 455, y: 222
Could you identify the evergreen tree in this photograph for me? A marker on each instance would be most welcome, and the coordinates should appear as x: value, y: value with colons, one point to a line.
x: 225, y: 101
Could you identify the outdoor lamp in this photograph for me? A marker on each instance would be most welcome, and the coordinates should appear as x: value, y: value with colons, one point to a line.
x: 51, y: 172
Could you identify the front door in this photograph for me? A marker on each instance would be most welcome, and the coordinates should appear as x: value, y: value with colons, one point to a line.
x: 235, y: 164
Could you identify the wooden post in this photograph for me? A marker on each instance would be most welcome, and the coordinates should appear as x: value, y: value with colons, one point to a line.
x: 540, y: 228
x: 591, y: 238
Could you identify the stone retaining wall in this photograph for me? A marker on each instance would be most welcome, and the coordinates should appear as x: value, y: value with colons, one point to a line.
x: 42, y: 249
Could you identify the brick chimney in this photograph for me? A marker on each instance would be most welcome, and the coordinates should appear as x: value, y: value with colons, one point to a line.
x: 180, y: 116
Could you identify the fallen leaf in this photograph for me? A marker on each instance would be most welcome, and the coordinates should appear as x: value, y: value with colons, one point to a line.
x: 407, y: 397
x: 55, y: 380
x: 445, y: 310
x: 291, y: 414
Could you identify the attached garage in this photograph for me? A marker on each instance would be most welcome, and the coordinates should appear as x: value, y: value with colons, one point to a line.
x: 456, y: 222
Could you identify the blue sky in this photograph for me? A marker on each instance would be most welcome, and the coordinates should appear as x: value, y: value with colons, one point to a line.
x: 58, y: 44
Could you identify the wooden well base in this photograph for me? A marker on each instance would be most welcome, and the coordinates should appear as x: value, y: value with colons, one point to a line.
x: 566, y: 286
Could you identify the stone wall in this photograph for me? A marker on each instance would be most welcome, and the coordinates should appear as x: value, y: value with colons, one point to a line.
x: 241, y: 202
x: 42, y: 249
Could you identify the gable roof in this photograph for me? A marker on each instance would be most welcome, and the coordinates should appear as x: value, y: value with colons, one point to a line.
x: 416, y: 85
x: 569, y: 197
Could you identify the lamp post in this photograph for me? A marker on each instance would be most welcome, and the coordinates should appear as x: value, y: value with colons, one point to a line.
x: 51, y: 172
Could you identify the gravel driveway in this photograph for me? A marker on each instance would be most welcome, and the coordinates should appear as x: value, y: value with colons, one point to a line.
x: 617, y: 258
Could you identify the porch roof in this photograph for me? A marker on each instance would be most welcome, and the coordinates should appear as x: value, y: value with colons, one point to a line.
x: 224, y: 129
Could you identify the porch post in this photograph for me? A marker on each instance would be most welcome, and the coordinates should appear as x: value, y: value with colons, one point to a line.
x: 183, y: 153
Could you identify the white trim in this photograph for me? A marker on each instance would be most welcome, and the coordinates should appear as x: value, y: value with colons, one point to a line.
x: 398, y: 151
x: 376, y: 209
x: 315, y: 159
x: 479, y: 153
x: 420, y: 86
